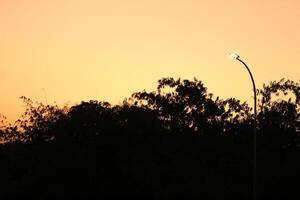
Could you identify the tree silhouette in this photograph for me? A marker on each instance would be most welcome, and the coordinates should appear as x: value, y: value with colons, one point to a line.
x: 282, y: 114
x: 176, y: 141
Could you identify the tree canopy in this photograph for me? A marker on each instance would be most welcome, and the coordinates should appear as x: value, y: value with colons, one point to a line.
x: 179, y: 140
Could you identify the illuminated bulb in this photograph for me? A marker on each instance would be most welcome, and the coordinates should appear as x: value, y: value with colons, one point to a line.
x: 234, y: 56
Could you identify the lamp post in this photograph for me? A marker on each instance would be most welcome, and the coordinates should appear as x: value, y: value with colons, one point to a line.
x: 237, y: 57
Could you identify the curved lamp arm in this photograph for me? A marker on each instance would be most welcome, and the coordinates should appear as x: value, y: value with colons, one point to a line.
x: 254, y: 87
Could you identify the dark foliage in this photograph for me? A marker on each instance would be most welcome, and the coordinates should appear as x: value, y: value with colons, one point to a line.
x: 179, y: 141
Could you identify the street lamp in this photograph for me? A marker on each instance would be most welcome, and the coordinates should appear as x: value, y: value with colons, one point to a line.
x: 237, y: 57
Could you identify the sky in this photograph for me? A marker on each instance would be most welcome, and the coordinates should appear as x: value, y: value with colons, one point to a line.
x: 68, y: 51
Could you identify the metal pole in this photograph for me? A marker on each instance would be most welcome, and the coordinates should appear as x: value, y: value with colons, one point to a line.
x: 254, y: 130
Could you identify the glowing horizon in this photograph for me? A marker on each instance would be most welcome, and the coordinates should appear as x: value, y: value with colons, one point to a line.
x: 106, y: 50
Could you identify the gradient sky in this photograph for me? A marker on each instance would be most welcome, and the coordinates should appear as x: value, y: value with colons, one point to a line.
x: 106, y: 50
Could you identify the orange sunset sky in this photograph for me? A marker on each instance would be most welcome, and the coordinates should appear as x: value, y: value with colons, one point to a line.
x: 106, y: 50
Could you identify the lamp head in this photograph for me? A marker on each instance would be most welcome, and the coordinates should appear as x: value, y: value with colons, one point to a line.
x: 234, y: 56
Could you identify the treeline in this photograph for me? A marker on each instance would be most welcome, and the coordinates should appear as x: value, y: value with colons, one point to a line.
x: 178, y: 141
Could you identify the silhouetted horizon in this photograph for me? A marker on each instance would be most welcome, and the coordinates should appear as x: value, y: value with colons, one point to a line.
x: 177, y: 141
